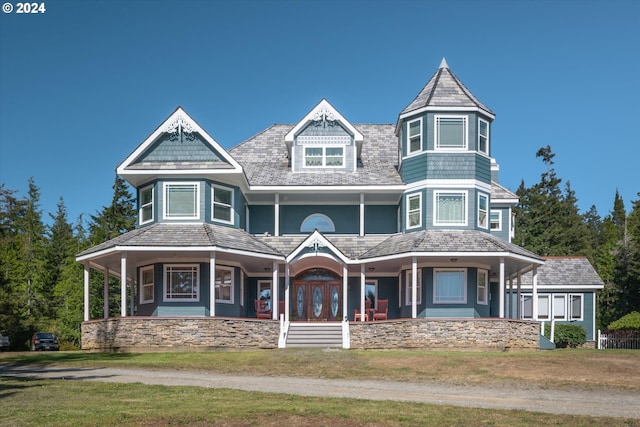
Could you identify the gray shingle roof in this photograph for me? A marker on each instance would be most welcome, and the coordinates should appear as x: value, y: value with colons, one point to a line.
x: 444, y: 89
x: 563, y: 271
x: 265, y: 162
x: 498, y: 192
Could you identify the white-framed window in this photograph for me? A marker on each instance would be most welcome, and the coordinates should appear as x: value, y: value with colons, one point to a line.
x: 146, y: 205
x: 414, y: 210
x: 319, y: 157
x: 482, y: 287
x: 450, y: 207
x: 559, y: 307
x: 222, y: 204
x: 451, y: 132
x: 224, y: 285
x: 526, y: 306
x: 544, y: 307
x: 483, y: 136
x: 450, y: 286
x: 181, y: 282
x: 495, y: 219
x: 483, y: 211
x: 409, y: 287
x: 414, y: 136
x: 181, y: 200
x: 575, y: 306
x: 147, y: 285
x: 264, y: 292
x: 317, y: 221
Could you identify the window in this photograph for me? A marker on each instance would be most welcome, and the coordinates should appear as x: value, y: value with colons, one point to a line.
x: 483, y: 203
x: 181, y: 200
x: 414, y: 210
x: 483, y: 136
x: 544, y: 303
x: 409, y: 287
x: 559, y: 307
x: 224, y: 285
x: 450, y: 208
x: 181, y: 282
x: 451, y: 132
x: 527, y: 306
x: 495, y: 218
x: 575, y: 307
x: 414, y: 138
x: 146, y: 205
x: 318, y: 222
x: 482, y: 293
x: 450, y: 286
x: 222, y: 207
x: 146, y: 285
x: 371, y: 292
x: 264, y: 292
x: 324, y: 157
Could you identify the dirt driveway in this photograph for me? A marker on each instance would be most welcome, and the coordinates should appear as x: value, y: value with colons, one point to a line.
x: 528, y: 398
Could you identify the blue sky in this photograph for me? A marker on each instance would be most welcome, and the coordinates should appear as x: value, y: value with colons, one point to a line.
x: 84, y: 83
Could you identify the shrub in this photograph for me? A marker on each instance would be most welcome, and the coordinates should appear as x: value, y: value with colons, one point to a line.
x: 630, y: 322
x: 567, y: 335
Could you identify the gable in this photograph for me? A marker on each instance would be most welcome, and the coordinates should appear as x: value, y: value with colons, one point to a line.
x: 176, y: 148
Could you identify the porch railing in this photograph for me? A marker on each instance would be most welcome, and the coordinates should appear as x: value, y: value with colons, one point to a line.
x: 629, y: 340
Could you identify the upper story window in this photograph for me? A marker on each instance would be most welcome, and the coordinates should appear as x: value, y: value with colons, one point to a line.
x: 332, y: 157
x: 414, y: 210
x: 181, y: 282
x: 318, y: 222
x: 483, y: 136
x: 146, y: 205
x: 451, y: 132
x: 483, y: 208
x: 181, y: 200
x: 414, y: 136
x: 495, y: 218
x: 450, y: 208
x: 222, y: 204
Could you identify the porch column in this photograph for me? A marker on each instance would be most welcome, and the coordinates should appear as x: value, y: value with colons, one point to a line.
x: 275, y: 297
x: 361, y: 214
x: 123, y: 284
x: 502, y: 290
x: 276, y: 216
x: 534, y: 293
x: 519, y: 308
x: 86, y: 291
x: 287, y: 291
x: 510, y: 299
x: 105, y: 294
x: 212, y: 284
x: 414, y: 287
x: 363, y: 281
x: 132, y: 302
x: 345, y: 286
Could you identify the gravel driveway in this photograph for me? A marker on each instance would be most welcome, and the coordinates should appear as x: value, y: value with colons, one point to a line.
x: 575, y: 401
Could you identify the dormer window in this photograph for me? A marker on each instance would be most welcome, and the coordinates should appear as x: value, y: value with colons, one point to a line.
x: 483, y: 136
x: 414, y: 136
x: 451, y: 132
x: 145, y: 213
x: 181, y: 200
x: 324, y: 157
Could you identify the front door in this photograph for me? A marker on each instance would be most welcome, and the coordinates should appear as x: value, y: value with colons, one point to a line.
x: 317, y: 300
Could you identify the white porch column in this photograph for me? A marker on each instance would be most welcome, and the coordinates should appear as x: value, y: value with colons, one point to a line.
x: 363, y: 281
x: 86, y: 291
x: 414, y: 287
x: 275, y: 296
x: 212, y: 283
x: 519, y: 305
x: 345, y: 287
x: 123, y: 284
x: 276, y: 216
x: 534, y: 294
x: 502, y: 290
x: 510, y: 299
x: 105, y: 294
x: 287, y: 291
x: 361, y: 214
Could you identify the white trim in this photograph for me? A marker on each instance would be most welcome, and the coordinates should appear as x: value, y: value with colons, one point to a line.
x: 194, y: 268
x: 323, y: 105
x: 408, y: 211
x: 570, y: 308
x: 409, y: 286
x: 452, y: 109
x: 232, y: 209
x: 144, y: 285
x: 230, y: 270
x: 443, y: 184
x: 168, y: 184
x: 487, y: 136
x: 420, y: 135
x: 149, y: 204
x: 436, y: 136
x: 323, y: 157
x: 464, y: 285
x: 464, y: 194
x: 486, y: 211
x: 499, y: 212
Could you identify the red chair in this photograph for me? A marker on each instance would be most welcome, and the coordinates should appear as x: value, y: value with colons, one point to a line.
x: 382, y: 311
x: 357, y: 317
x: 261, y: 309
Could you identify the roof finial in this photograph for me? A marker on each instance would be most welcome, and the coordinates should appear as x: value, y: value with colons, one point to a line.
x: 444, y: 64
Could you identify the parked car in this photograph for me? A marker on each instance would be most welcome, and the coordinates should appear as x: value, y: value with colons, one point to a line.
x: 4, y: 343
x: 44, y: 341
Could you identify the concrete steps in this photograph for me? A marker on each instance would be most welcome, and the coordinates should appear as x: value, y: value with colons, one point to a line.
x: 314, y: 334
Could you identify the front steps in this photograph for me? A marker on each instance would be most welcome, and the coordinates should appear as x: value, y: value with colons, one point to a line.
x: 314, y: 334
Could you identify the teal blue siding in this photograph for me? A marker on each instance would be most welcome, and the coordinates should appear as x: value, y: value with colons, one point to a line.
x: 261, y: 219
x: 414, y: 168
x: 346, y: 218
x: 387, y: 289
x: 380, y: 219
x: 167, y: 149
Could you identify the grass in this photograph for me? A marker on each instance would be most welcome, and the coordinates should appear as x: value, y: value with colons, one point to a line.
x: 62, y: 402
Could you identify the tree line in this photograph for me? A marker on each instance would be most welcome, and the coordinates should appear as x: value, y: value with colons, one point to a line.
x: 41, y: 284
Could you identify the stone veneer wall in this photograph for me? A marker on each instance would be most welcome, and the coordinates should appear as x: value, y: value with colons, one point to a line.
x: 469, y: 334
x: 179, y: 333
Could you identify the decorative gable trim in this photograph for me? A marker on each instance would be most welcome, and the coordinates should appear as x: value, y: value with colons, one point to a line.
x: 323, y: 111
x: 179, y: 125
x: 315, y: 241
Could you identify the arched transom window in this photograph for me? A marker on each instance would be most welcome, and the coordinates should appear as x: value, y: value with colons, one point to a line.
x: 318, y: 222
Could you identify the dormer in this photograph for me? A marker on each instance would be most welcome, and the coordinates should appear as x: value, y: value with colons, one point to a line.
x: 324, y: 140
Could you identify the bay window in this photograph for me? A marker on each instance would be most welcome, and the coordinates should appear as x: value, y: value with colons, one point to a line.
x: 450, y: 286
x: 224, y: 285
x: 146, y: 205
x: 451, y: 132
x: 181, y: 282
x: 414, y: 210
x: 181, y: 200
x: 414, y: 136
x: 222, y: 200
x: 450, y: 208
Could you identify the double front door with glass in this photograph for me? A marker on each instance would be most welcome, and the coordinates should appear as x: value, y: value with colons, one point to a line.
x: 317, y: 300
